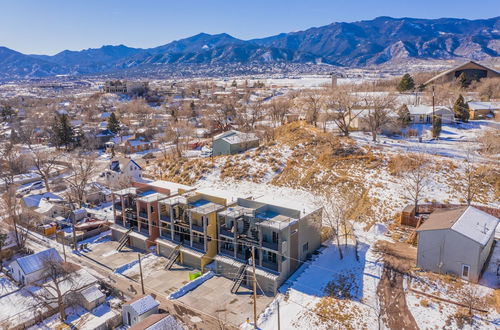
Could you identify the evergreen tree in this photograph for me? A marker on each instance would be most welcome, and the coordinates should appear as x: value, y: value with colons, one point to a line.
x: 462, y: 81
x: 404, y: 117
x: 234, y: 84
x: 406, y: 83
x: 436, y: 127
x: 461, y: 109
x: 66, y: 134
x: 113, y: 123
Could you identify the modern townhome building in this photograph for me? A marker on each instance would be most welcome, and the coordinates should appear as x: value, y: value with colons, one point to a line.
x: 281, y: 237
x: 136, y: 212
x: 188, y: 228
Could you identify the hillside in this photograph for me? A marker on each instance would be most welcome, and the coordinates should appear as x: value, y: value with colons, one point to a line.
x: 304, y: 158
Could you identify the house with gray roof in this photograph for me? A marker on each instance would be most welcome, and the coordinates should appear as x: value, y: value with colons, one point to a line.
x: 456, y: 241
x: 158, y: 322
x: 31, y: 268
x: 233, y: 142
x: 139, y: 309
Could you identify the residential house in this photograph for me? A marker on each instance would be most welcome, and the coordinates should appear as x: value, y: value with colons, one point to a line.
x: 31, y: 268
x: 158, y: 321
x: 359, y: 121
x: 281, y: 237
x: 137, y: 145
x: 136, y: 211
x: 482, y: 110
x: 121, y: 172
x: 456, y: 241
x: 233, y: 142
x: 91, y: 297
x: 188, y: 228
x: 422, y: 114
x: 96, y: 193
x: 45, y: 206
x: 138, y: 309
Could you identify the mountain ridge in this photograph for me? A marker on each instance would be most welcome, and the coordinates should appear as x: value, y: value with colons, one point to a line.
x: 355, y: 44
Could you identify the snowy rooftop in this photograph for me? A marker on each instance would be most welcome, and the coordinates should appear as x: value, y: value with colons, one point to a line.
x: 35, y: 262
x: 476, y: 224
x: 233, y: 137
x: 157, y: 322
x: 143, y: 304
x: 172, y: 186
x: 36, y: 200
x: 426, y: 109
x: 92, y: 293
x: 468, y: 221
x: 484, y: 105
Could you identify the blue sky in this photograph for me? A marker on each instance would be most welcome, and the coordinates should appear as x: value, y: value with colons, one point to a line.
x: 50, y: 26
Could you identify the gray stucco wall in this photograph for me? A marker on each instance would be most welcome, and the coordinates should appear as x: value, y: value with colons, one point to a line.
x: 310, y: 232
x: 220, y: 147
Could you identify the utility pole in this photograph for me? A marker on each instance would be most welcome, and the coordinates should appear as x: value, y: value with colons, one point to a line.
x: 140, y: 271
x: 254, y: 290
x: 278, y: 303
x: 433, y: 106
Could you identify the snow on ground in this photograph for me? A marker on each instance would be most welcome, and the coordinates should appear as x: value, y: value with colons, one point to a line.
x: 150, y: 263
x: 490, y: 277
x: 131, y: 265
x: 6, y: 285
x: 434, y: 315
x: 454, y: 141
x: 79, y: 318
x: 299, y: 295
x: 105, y: 236
x: 191, y: 285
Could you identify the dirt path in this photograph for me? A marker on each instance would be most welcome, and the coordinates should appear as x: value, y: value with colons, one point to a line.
x: 393, y: 308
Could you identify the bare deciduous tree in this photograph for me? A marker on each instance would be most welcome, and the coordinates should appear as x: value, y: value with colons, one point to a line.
x: 379, y: 107
x: 57, y: 285
x: 313, y: 103
x: 83, y: 169
x: 341, y: 102
x: 45, y: 162
x: 415, y: 178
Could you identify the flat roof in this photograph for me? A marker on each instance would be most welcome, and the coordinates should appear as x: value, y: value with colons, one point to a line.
x: 126, y: 191
x: 172, y: 186
x: 207, y: 208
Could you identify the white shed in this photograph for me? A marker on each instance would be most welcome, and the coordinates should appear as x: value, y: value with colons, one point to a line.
x: 456, y: 241
x: 29, y: 269
x: 138, y: 309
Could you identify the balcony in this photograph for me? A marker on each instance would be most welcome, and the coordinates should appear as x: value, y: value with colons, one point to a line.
x: 270, y: 245
x: 165, y: 218
x: 145, y: 230
x: 226, y: 232
x: 227, y: 252
x: 197, y: 228
x: 199, y: 246
x: 270, y: 265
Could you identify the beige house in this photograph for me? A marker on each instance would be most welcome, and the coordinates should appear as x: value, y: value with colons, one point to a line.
x: 422, y: 114
x: 482, y: 110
